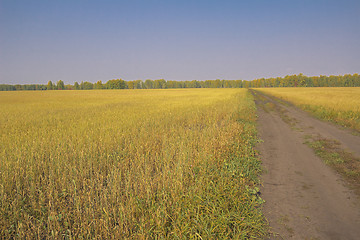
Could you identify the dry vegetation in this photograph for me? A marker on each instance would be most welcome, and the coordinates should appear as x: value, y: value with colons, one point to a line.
x: 339, y: 105
x: 140, y: 164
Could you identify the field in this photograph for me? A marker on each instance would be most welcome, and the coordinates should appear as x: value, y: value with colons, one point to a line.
x: 138, y: 164
x: 338, y: 105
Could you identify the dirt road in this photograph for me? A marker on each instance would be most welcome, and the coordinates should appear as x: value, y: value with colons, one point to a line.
x: 305, y: 199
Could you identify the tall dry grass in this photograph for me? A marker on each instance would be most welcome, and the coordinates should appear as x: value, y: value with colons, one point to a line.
x: 338, y: 105
x: 129, y: 164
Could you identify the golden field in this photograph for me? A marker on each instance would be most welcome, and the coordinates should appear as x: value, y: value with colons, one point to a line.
x: 339, y: 105
x: 129, y: 164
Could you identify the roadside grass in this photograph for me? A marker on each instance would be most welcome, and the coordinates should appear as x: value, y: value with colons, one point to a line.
x: 337, y: 105
x: 330, y: 151
x: 341, y: 161
x: 130, y: 164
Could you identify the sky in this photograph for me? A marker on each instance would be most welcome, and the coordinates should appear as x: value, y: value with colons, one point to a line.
x: 87, y: 40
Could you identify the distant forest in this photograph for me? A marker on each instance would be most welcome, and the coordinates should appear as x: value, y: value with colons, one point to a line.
x: 300, y: 80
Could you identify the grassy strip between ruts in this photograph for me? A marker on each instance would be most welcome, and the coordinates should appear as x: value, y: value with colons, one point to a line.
x: 341, y: 161
x: 329, y: 150
x: 142, y: 164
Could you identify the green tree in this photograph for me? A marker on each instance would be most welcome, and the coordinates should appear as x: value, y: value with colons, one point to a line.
x: 138, y: 84
x: 76, y: 86
x: 7, y: 87
x: 98, y: 85
x: 131, y: 84
x: 160, y: 83
x: 116, y: 84
x: 49, y: 85
x: 60, y: 85
x: 149, y: 84
x: 87, y: 85
x: 69, y: 87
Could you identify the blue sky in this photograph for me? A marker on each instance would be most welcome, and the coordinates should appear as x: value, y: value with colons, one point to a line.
x: 82, y: 40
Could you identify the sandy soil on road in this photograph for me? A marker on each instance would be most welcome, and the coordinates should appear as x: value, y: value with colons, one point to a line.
x: 305, y: 199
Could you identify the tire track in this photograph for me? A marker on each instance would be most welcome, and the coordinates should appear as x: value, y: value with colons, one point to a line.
x: 305, y: 199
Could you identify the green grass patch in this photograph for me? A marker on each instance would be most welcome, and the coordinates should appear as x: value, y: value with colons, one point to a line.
x: 341, y: 161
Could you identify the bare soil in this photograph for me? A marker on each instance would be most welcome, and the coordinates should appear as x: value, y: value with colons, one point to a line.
x: 305, y: 198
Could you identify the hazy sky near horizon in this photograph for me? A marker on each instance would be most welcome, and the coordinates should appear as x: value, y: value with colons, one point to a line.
x: 78, y: 40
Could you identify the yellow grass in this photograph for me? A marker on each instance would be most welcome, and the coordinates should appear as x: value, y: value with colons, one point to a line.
x: 340, y: 105
x: 129, y: 164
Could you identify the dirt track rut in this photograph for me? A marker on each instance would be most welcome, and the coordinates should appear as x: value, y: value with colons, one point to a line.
x: 305, y: 199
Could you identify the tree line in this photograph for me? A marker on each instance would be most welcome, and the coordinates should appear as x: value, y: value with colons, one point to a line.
x: 299, y: 80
